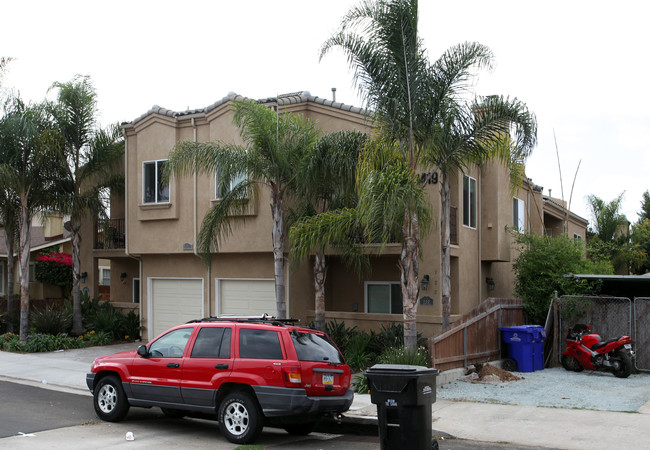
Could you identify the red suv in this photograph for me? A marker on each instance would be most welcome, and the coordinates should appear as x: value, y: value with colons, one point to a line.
x: 247, y: 372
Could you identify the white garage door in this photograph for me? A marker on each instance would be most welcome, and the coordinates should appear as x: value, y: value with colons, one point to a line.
x: 247, y: 297
x: 173, y: 302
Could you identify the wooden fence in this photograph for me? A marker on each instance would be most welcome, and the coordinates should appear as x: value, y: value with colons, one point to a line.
x: 475, y: 337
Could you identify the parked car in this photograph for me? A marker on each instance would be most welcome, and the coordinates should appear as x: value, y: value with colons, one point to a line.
x: 248, y: 372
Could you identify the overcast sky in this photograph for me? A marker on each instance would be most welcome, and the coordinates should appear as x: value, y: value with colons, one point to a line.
x: 581, y: 66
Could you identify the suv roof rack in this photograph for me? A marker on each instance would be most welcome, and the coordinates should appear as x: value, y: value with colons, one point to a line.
x: 264, y: 318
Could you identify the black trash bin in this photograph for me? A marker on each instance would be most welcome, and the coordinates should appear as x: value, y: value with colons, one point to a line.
x: 403, y: 395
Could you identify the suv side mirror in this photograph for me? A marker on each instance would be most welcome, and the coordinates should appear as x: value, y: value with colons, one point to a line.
x: 142, y: 351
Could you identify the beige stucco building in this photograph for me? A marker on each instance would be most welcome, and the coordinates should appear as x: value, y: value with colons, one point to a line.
x: 151, y: 238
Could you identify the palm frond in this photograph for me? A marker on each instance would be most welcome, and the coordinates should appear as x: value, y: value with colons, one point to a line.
x: 218, y: 222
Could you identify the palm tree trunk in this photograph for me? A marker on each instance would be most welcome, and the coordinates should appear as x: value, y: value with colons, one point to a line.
x: 9, y: 239
x: 445, y: 248
x: 409, y: 268
x: 277, y: 212
x: 24, y: 249
x: 320, y: 274
x: 77, y: 323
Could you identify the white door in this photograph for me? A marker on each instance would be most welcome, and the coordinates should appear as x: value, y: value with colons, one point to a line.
x: 247, y: 297
x: 173, y: 302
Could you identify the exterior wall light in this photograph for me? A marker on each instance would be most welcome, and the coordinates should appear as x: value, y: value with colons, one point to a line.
x: 490, y: 283
x: 424, y: 283
x: 84, y: 275
x: 123, y: 276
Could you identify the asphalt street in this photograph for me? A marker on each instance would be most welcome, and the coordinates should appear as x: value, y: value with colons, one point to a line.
x: 37, y: 418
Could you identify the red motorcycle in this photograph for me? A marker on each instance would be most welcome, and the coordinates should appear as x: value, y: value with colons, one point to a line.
x: 586, y: 351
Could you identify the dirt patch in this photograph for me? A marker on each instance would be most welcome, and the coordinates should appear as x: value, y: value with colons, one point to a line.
x: 487, y: 373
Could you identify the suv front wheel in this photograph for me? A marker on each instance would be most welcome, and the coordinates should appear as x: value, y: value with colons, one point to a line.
x: 240, y: 418
x: 109, y: 399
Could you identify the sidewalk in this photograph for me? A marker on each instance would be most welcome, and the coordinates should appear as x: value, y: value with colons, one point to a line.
x: 521, y: 425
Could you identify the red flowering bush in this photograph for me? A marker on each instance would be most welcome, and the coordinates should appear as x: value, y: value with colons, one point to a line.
x: 56, y: 269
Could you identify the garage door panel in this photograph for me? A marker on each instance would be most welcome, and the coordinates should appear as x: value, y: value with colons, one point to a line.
x: 175, y: 301
x: 247, y: 297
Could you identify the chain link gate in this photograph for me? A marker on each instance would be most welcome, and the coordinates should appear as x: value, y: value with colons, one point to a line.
x: 610, y: 317
x: 642, y: 333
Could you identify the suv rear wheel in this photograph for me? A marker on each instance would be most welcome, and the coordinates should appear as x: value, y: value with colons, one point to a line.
x: 240, y: 418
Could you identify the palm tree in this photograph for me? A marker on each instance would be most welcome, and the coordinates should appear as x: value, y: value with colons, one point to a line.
x: 471, y: 133
x: 275, y: 146
x: 381, y: 42
x: 9, y: 208
x: 415, y: 104
x: 88, y: 165
x: 326, y: 182
x: 26, y: 177
x: 607, y: 216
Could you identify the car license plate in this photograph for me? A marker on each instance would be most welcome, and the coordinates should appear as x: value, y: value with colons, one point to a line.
x: 628, y: 346
x: 328, y: 378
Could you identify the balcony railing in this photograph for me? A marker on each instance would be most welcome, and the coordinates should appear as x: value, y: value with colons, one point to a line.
x: 110, y: 234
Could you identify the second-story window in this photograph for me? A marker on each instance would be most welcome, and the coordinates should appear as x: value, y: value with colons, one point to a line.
x: 469, y: 201
x: 154, y: 189
x: 223, y: 188
x: 518, y: 215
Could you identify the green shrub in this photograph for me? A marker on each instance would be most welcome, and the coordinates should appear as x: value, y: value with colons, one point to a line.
x: 540, y: 270
x: 340, y: 334
x: 97, y: 338
x: 360, y: 384
x: 400, y: 355
x: 102, y: 316
x: 357, y: 354
x: 40, y: 343
x: 51, y: 320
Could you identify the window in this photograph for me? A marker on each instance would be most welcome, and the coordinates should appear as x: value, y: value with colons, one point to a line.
x: 136, y: 290
x: 469, y: 201
x: 212, y: 342
x: 171, y: 345
x: 518, y: 215
x: 105, y: 276
x: 259, y: 344
x: 222, y: 188
x: 576, y: 236
x: 383, y: 298
x: 315, y: 347
x: 153, y: 189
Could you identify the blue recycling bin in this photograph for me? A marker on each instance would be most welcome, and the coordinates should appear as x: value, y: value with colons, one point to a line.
x: 525, y: 345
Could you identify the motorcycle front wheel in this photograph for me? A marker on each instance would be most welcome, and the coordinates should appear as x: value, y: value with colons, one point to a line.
x: 622, y: 364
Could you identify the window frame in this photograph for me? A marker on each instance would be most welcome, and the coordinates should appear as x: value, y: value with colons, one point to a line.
x: 156, y: 201
x: 518, y: 214
x: 102, y: 273
x: 470, y: 202
x: 390, y: 284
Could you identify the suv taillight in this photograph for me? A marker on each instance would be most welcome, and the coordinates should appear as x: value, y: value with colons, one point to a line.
x: 292, y: 376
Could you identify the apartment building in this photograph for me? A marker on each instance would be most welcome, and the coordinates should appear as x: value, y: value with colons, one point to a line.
x: 151, y: 237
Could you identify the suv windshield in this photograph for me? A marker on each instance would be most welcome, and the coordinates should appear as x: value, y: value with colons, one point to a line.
x: 315, y: 347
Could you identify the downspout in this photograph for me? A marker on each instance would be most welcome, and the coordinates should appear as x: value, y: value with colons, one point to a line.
x: 480, y: 234
x: 126, y: 221
x: 195, y: 223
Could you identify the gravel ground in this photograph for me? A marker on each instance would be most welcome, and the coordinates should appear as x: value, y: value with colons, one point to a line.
x: 557, y: 388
